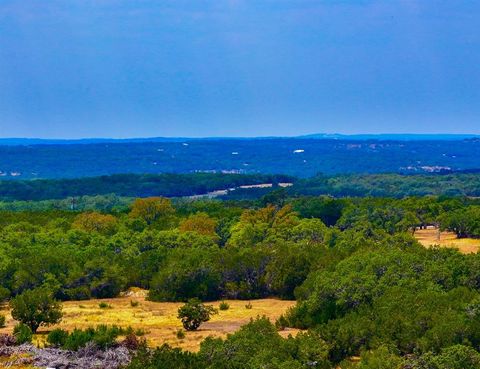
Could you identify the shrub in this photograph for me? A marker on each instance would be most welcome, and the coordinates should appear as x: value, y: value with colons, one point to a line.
x: 4, y: 294
x: 102, y: 336
x: 22, y: 333
x: 281, y: 323
x: 180, y: 334
x: 249, y: 305
x: 105, y: 336
x: 104, y: 305
x: 134, y: 303
x: 131, y: 342
x: 224, y: 306
x: 57, y: 337
x: 194, y: 313
x: 165, y: 357
x: 78, y: 338
x: 35, y: 308
x: 2, y: 321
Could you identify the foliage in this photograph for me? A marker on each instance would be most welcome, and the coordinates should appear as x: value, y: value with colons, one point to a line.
x: 194, y: 313
x: 223, y: 305
x: 165, y: 357
x: 2, y: 321
x: 364, y: 286
x: 102, y: 336
x: 152, y: 209
x: 57, y: 337
x: 200, y: 223
x: 35, y: 308
x: 22, y: 333
x: 95, y: 222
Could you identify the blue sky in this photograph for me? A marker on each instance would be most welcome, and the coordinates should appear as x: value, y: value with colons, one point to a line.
x: 118, y: 68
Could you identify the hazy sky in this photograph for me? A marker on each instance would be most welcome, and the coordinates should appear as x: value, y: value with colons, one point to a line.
x: 137, y: 68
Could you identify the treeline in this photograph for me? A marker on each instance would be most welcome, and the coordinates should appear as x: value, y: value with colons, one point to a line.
x: 117, y: 190
x: 207, y: 249
x: 131, y: 185
x: 390, y: 185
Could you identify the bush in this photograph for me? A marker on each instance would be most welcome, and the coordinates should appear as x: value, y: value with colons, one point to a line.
x: 180, y: 334
x: 281, y: 323
x: 2, y: 321
x: 4, y: 294
x: 224, y: 306
x: 105, y: 337
x: 194, y: 313
x: 131, y: 342
x: 35, y: 308
x: 134, y: 303
x: 57, y: 337
x: 249, y: 305
x: 22, y: 333
x: 165, y: 357
x: 78, y: 338
x: 104, y: 305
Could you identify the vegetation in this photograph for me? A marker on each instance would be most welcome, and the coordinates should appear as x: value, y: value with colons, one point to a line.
x: 36, y: 307
x: 130, y: 185
x: 194, y: 313
x: 364, y: 286
x: 22, y: 333
x: 272, y: 155
x: 223, y: 306
x: 103, y: 336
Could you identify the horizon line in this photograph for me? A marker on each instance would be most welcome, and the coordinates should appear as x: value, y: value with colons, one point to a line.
x: 308, y: 135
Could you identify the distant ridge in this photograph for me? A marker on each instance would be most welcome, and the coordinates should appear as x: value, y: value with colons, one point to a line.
x: 393, y: 136
x: 18, y: 141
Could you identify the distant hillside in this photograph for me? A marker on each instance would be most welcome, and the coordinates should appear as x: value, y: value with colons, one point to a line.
x: 394, y: 137
x: 238, y: 187
x: 300, y: 157
x: 132, y: 185
x: 18, y: 141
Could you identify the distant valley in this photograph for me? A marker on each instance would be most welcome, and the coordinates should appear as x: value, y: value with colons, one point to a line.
x: 300, y: 157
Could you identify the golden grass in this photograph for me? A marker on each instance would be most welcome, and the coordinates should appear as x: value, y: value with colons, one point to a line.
x: 430, y: 237
x: 159, y: 320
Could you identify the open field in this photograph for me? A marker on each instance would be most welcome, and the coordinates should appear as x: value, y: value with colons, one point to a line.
x: 429, y: 237
x: 159, y: 320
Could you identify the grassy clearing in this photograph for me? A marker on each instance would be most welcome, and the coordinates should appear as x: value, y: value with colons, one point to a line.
x: 159, y: 320
x: 431, y: 236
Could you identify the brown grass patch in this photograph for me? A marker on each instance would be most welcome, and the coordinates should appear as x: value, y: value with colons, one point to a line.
x: 431, y: 237
x: 159, y: 320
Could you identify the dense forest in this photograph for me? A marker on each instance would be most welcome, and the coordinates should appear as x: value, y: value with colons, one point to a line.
x: 302, y: 157
x: 115, y: 190
x: 364, y: 286
x: 132, y: 185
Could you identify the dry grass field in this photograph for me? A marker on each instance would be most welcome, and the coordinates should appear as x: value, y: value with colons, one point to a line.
x: 159, y: 320
x: 431, y: 236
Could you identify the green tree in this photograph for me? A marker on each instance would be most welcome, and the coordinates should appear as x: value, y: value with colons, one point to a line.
x: 35, y: 308
x: 194, y: 313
